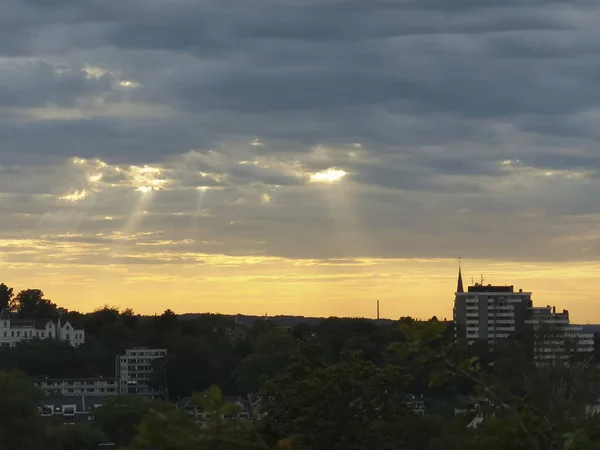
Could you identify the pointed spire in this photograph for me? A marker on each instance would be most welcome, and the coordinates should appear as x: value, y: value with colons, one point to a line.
x: 459, y: 287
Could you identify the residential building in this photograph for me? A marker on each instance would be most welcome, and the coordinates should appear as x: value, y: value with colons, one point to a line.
x: 556, y: 337
x: 69, y: 409
x: 13, y: 330
x: 416, y: 404
x: 245, y: 407
x: 67, y: 330
x: 70, y: 387
x: 135, y: 370
x: 489, y: 313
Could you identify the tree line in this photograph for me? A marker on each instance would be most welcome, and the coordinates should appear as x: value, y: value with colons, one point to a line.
x: 340, y: 384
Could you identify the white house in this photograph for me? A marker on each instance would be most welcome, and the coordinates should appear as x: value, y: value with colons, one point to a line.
x: 65, y: 331
x: 16, y: 330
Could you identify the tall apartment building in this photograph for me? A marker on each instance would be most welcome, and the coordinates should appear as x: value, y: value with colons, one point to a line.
x: 489, y: 312
x: 135, y: 371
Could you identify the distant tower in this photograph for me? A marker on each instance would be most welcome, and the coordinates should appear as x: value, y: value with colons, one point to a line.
x: 459, y: 286
x: 377, y: 309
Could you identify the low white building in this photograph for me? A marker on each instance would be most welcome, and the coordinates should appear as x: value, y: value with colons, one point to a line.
x: 16, y: 330
x: 70, y: 387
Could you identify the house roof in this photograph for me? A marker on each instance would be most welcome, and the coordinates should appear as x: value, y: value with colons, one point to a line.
x: 22, y: 322
x: 4, y: 314
x: 242, y: 402
x: 73, y: 319
x: 81, y: 402
x: 40, y: 324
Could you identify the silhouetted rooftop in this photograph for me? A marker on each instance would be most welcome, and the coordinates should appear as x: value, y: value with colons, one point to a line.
x: 489, y: 288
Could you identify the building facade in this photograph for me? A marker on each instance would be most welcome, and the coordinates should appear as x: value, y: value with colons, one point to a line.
x: 16, y: 330
x: 489, y: 312
x: 70, y: 387
x: 135, y: 370
x: 246, y: 410
x: 555, y: 337
x: 70, y: 409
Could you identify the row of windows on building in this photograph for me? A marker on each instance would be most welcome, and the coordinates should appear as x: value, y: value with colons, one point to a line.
x: 40, y: 334
x: 75, y: 383
x: 146, y: 353
x: 82, y: 391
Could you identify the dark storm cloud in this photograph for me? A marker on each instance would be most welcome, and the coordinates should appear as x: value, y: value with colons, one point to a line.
x: 460, y: 124
x: 31, y: 84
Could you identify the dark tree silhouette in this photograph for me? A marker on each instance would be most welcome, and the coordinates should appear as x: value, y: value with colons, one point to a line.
x: 6, y: 296
x: 30, y: 303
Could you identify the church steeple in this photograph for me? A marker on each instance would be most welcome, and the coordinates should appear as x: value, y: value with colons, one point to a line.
x: 459, y: 286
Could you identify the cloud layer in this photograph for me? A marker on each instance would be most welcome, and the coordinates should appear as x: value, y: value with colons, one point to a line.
x: 155, y: 132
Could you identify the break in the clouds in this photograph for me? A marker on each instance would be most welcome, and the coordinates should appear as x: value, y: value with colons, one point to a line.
x: 167, y: 131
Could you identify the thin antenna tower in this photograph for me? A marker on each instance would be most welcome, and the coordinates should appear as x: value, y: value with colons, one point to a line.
x: 377, y: 309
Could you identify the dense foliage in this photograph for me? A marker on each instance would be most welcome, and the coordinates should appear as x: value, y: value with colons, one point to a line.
x: 338, y: 384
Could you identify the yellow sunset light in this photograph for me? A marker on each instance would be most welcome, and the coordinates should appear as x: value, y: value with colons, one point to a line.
x: 328, y: 176
x: 75, y: 196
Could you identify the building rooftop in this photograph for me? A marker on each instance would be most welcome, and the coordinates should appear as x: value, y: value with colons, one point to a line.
x: 489, y: 288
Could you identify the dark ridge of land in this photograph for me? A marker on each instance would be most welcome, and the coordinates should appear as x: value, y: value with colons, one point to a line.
x: 285, y: 321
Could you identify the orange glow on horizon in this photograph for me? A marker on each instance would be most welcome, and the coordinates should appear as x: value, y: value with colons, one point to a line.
x: 257, y: 285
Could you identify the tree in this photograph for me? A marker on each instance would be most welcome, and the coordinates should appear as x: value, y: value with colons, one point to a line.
x: 189, y: 368
x: 21, y: 426
x: 337, y: 335
x: 351, y: 405
x: 173, y: 430
x: 130, y: 319
x: 521, y: 404
x: 6, y: 296
x: 167, y: 322
x: 213, y: 402
x: 119, y: 417
x: 219, y: 431
x: 30, y: 303
x: 272, y: 352
x: 43, y: 358
x: 73, y: 437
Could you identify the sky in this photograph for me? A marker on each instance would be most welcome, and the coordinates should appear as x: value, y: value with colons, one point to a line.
x: 303, y: 157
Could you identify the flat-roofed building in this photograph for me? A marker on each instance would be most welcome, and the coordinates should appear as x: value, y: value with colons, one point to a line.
x: 70, y: 387
x: 489, y: 313
x: 135, y: 370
